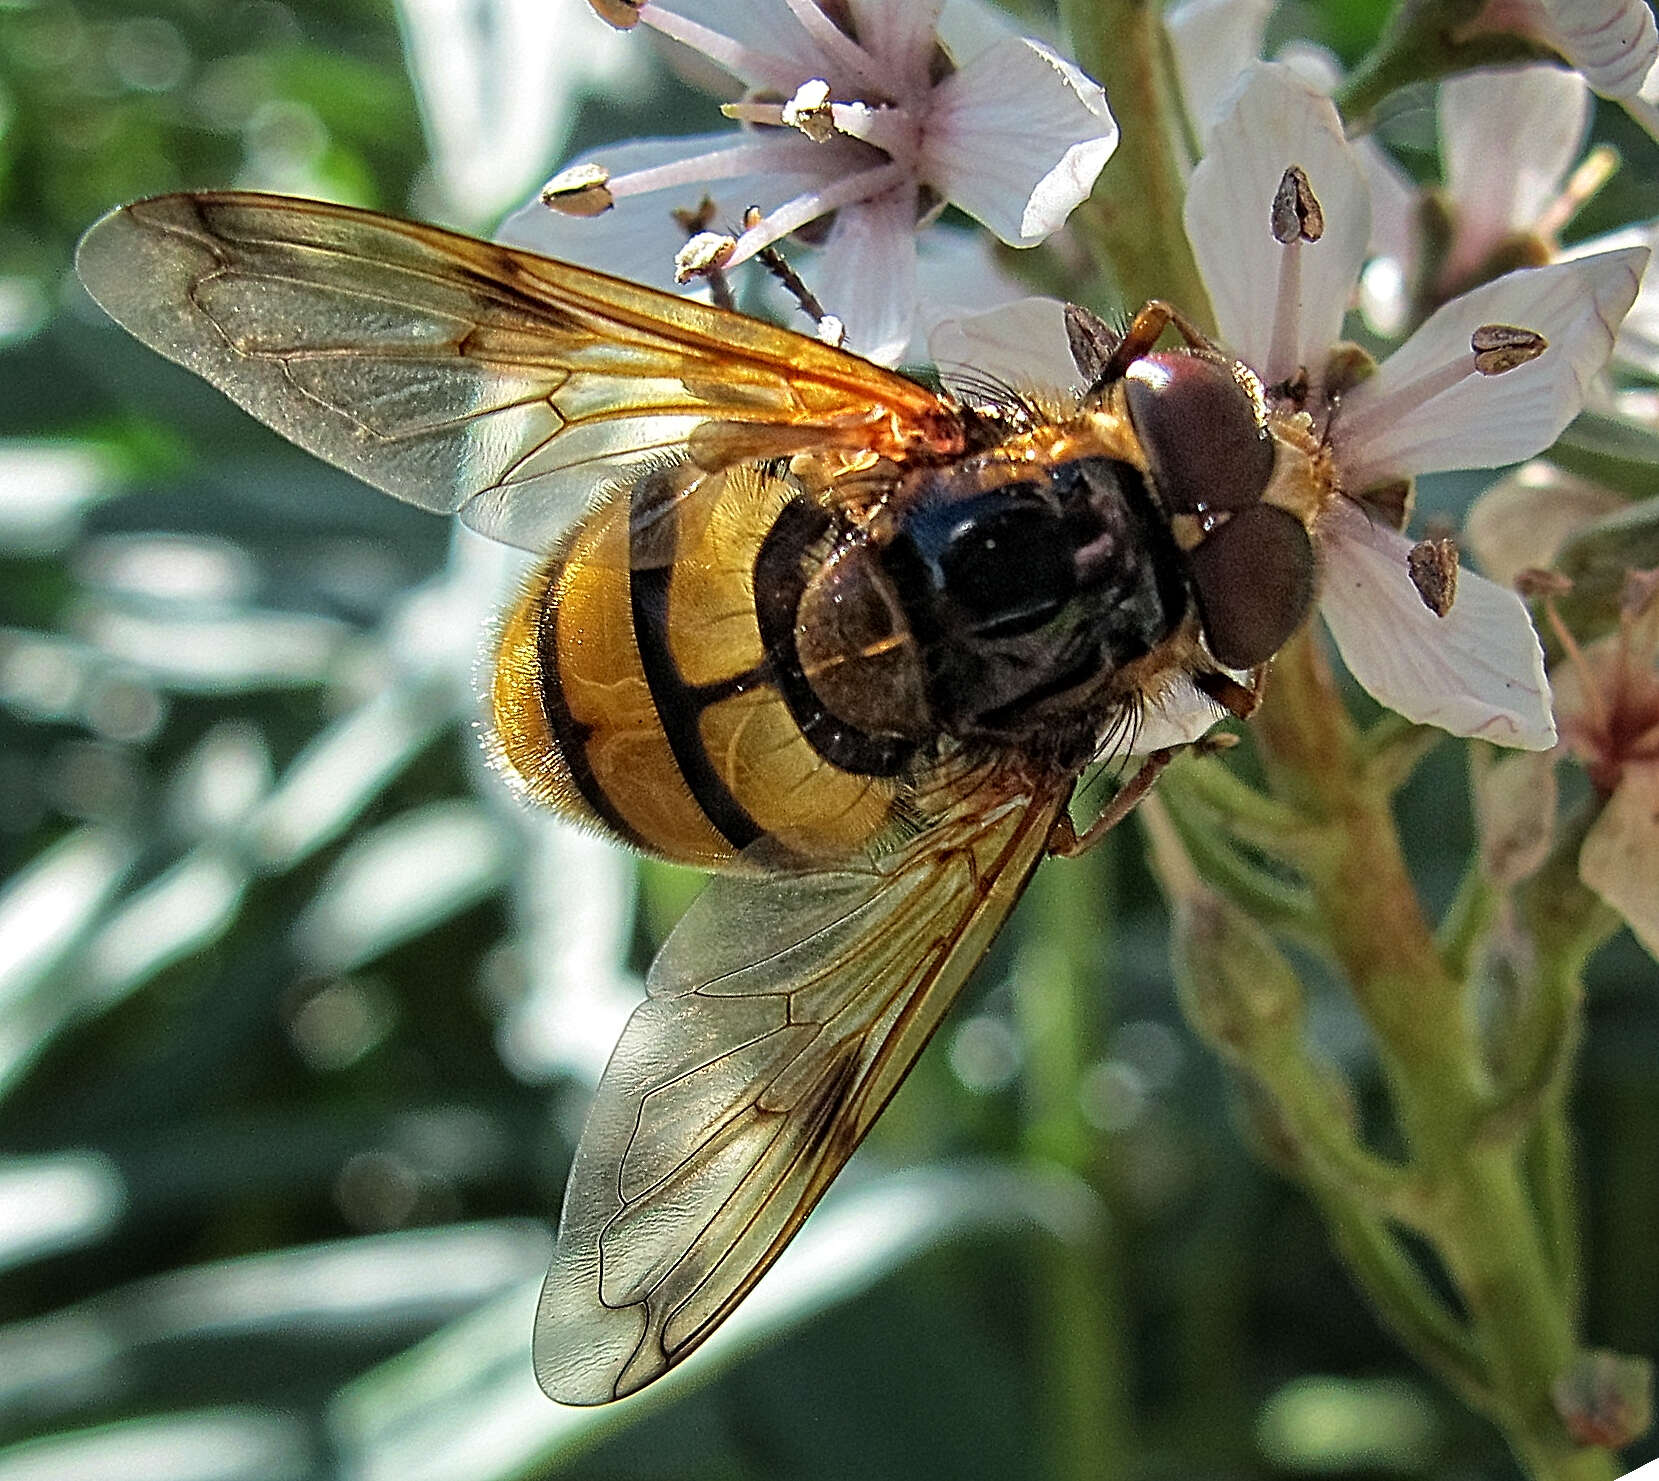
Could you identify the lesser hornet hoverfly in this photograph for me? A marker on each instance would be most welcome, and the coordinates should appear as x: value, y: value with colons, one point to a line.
x: 844, y: 638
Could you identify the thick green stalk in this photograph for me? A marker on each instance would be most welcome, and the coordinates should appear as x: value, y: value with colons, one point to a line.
x: 1497, y: 1244
x: 1132, y: 223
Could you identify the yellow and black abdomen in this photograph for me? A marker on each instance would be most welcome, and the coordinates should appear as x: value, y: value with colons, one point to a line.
x: 633, y: 689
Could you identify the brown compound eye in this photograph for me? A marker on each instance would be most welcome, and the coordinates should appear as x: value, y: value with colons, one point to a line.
x: 1201, y: 431
x: 1254, y: 580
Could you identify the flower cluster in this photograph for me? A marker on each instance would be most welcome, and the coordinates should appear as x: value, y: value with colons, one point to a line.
x: 863, y: 121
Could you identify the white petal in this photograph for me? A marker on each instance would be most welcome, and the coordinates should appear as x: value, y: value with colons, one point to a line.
x: 1176, y: 718
x: 1023, y: 343
x: 1612, y: 42
x: 1507, y: 139
x: 1279, y: 120
x: 1213, y: 41
x: 1638, y: 341
x: 638, y: 237
x: 1388, y: 427
x: 1620, y: 857
x: 866, y: 274
x: 1016, y: 139
x: 1477, y: 671
x: 969, y: 27
x: 957, y: 275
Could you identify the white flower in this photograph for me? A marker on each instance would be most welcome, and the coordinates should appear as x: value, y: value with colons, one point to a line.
x: 1511, y: 141
x: 1477, y: 670
x: 879, y: 125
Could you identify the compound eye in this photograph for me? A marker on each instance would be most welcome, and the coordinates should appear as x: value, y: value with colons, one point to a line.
x: 1201, y: 431
x: 1254, y: 580
x: 1008, y: 566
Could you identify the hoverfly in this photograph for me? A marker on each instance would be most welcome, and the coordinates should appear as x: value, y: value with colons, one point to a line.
x: 848, y: 640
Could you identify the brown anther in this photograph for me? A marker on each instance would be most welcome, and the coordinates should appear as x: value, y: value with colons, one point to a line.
x: 1533, y: 582
x: 1432, y: 566
x: 1501, y: 347
x: 623, y: 14
x: 706, y: 252
x: 1297, y: 215
x: 752, y: 217
x: 582, y: 190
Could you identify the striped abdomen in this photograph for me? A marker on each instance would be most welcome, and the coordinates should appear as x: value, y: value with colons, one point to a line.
x: 633, y: 688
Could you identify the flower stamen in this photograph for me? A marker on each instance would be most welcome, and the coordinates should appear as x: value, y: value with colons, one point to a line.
x: 1503, y: 347
x: 1432, y: 566
x: 1295, y: 217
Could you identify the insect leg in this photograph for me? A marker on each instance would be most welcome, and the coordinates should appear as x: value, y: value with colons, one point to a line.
x: 1150, y: 322
x: 1065, y: 842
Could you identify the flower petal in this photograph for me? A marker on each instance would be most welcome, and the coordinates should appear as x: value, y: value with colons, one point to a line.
x: 899, y: 38
x: 1477, y: 671
x: 1620, y: 857
x: 1178, y: 717
x: 1023, y: 343
x: 1212, y: 42
x: 1279, y: 120
x: 1016, y: 139
x: 1612, y: 42
x: 866, y: 274
x: 1507, y: 139
x: 1638, y: 342
x: 957, y: 275
x: 1524, y: 518
x: 1418, y: 415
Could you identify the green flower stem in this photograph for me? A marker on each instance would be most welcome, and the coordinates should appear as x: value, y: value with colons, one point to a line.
x: 1463, y: 927
x: 1132, y: 224
x: 1484, y: 1219
x: 1425, y: 39
x: 1086, y: 1383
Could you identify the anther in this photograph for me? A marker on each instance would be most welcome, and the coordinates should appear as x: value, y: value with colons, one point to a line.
x: 1502, y: 347
x: 809, y: 111
x: 582, y: 190
x: 1432, y: 566
x: 706, y: 252
x: 1297, y: 215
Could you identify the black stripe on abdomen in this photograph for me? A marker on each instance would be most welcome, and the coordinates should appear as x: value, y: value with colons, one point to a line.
x: 680, y: 707
x: 572, y: 736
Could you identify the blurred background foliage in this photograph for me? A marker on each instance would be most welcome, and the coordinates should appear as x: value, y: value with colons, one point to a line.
x: 298, y: 1014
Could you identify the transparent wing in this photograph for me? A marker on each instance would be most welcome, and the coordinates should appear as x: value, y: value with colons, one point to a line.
x: 782, y: 1016
x: 466, y: 376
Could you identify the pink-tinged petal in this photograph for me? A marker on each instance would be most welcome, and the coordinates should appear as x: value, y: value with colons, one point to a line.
x: 1278, y: 308
x: 1525, y: 518
x: 866, y: 274
x: 1507, y: 139
x: 1178, y: 717
x: 1477, y: 671
x: 1620, y: 857
x: 1213, y: 41
x: 1023, y: 343
x: 1612, y: 42
x: 1016, y: 139
x: 756, y: 41
x: 900, y: 37
x: 1427, y: 410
